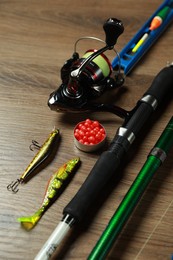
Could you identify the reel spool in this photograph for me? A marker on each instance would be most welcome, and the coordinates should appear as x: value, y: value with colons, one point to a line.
x: 92, y: 77
x: 97, y: 69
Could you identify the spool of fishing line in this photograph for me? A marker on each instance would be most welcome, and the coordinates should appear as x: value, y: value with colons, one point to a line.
x: 99, y: 68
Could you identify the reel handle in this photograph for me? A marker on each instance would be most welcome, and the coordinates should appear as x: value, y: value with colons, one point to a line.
x: 113, y: 29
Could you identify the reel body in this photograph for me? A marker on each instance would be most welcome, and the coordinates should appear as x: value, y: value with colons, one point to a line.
x: 86, y: 78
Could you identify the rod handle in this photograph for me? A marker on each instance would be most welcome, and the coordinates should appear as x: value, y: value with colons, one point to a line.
x: 162, y: 84
x: 104, y: 168
x: 161, y: 87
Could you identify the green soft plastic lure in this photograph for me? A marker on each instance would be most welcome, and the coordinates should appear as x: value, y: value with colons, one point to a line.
x: 53, y: 187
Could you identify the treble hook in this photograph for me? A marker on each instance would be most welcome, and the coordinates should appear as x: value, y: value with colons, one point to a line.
x: 13, y: 186
x: 35, y: 145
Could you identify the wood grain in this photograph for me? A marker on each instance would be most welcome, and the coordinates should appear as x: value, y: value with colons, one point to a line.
x: 37, y: 37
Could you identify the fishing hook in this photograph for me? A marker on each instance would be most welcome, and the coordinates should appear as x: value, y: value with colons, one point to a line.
x: 13, y: 185
x: 34, y: 145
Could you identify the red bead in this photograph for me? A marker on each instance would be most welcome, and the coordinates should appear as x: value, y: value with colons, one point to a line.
x: 95, y: 124
x: 92, y: 132
x: 85, y: 139
x: 102, y: 130
x: 81, y: 133
x: 87, y: 133
x: 80, y: 126
x: 98, y: 136
x: 77, y: 136
x: 103, y: 136
x: 91, y: 139
x: 88, y: 121
x: 84, y: 128
x: 96, y: 129
x: 92, y: 126
x: 89, y: 129
x: 76, y: 130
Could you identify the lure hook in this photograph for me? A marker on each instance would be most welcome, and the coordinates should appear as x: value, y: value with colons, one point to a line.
x: 13, y: 186
x: 34, y: 145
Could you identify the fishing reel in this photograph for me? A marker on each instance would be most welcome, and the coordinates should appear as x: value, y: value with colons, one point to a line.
x: 86, y: 78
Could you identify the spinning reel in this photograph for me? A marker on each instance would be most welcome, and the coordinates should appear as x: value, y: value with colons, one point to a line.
x: 86, y: 78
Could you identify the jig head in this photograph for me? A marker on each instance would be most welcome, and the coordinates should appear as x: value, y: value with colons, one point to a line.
x: 86, y: 78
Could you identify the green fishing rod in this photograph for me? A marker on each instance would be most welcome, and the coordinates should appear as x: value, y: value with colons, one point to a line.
x: 154, y: 160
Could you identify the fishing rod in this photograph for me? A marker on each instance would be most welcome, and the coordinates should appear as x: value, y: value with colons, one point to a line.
x: 109, y: 161
x: 154, y: 160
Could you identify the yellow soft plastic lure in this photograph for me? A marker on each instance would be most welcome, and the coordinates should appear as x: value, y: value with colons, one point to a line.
x: 53, y: 187
x: 44, y: 152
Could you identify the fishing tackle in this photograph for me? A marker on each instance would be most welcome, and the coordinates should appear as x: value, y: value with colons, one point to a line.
x: 144, y: 38
x: 154, y: 160
x: 54, y: 185
x: 109, y: 162
x: 86, y: 78
x: 42, y: 155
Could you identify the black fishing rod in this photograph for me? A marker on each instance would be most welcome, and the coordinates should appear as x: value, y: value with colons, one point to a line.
x: 110, y: 160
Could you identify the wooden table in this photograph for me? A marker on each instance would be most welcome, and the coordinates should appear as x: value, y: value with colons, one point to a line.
x: 37, y: 37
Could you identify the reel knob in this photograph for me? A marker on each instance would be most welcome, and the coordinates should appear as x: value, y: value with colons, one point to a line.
x: 113, y: 29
